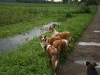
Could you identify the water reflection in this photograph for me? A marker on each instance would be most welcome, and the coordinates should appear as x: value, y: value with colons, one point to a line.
x: 83, y: 62
x: 89, y: 44
x: 14, y: 42
x: 96, y: 31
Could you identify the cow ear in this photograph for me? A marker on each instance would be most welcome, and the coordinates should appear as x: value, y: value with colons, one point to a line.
x: 87, y: 63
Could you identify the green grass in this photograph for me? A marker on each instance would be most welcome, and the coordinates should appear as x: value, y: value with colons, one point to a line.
x: 19, y: 18
x: 30, y: 59
x: 13, y: 29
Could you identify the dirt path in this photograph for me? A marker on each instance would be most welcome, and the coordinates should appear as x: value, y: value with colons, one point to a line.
x: 75, y: 64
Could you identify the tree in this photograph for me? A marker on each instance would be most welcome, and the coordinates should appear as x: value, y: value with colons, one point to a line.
x: 83, y: 0
x: 91, y: 2
x: 7, y: 0
x: 65, y: 1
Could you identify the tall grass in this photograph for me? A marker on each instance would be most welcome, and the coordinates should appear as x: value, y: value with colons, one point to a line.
x: 27, y: 60
x: 30, y: 59
x: 13, y: 13
x: 18, y: 18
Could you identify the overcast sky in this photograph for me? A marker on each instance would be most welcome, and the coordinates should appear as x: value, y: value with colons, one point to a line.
x: 61, y: 0
x: 57, y: 0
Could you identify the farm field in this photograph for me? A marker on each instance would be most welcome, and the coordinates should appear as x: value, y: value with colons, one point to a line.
x: 30, y: 59
x: 18, y: 18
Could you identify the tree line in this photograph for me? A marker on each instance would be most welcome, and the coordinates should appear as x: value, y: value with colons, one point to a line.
x: 28, y: 1
x: 87, y: 2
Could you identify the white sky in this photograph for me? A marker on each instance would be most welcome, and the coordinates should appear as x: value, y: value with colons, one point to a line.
x: 60, y: 0
x: 57, y: 0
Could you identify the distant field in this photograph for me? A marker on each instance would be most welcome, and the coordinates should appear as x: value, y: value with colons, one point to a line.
x: 30, y: 59
x: 14, y: 13
x: 18, y: 18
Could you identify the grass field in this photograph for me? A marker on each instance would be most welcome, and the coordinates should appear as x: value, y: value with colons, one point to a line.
x: 30, y: 59
x: 18, y: 18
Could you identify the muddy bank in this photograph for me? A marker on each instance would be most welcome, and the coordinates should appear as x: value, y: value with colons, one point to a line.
x: 75, y: 62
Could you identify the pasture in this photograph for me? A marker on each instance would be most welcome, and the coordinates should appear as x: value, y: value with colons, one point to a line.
x: 30, y: 59
x: 18, y: 18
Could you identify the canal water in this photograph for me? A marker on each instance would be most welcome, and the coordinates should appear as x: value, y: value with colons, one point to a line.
x: 13, y: 42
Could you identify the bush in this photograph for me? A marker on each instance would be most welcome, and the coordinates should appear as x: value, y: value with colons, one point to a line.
x: 82, y: 9
x: 91, y: 2
x: 85, y: 9
x: 68, y: 14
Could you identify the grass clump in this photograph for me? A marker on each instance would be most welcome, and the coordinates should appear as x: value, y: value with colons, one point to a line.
x: 82, y: 9
x: 30, y: 59
x: 85, y: 9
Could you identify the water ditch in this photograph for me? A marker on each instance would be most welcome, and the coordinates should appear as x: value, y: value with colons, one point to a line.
x: 96, y: 31
x: 83, y: 62
x: 89, y: 44
x: 11, y: 43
